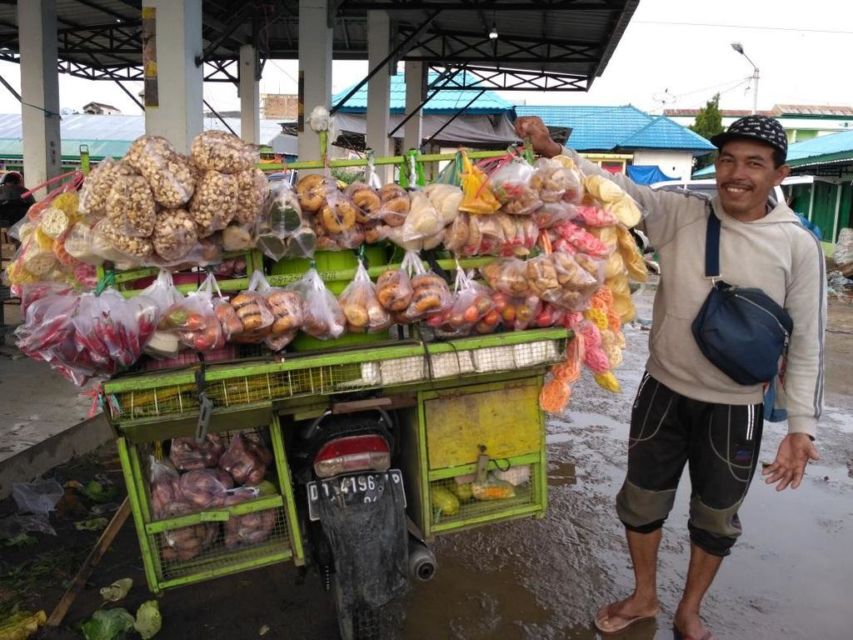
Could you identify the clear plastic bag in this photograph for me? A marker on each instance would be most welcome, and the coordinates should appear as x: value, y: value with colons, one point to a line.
x: 167, y: 173
x: 37, y: 497
x: 246, y: 460
x: 394, y: 289
x: 446, y: 199
x: 430, y: 293
x: 368, y: 204
x: 205, y: 488
x: 396, y: 204
x: 164, y: 486
x: 323, y: 317
x: 595, y: 216
x: 174, y: 236
x: 96, y: 188
x: 163, y: 295
x: 361, y: 306
x: 472, y: 303
x: 338, y: 214
x: 517, y: 313
x: 78, y: 244
x: 288, y: 312
x: 553, y: 213
x: 222, y: 151
x: 477, y: 195
x: 113, y: 244
x: 131, y: 207
x: 253, y: 190
x: 507, y: 276
x: 252, y: 528
x: 193, y: 320
x: 511, y: 184
x: 187, y: 454
x: 423, y: 220
x: 579, y: 240
x: 214, y: 203
x: 552, y: 179
x: 282, y: 219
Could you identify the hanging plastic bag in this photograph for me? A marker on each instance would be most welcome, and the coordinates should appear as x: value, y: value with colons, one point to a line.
x: 508, y: 276
x: 595, y: 216
x: 96, y: 188
x: 553, y: 213
x: 430, y: 293
x: 287, y: 309
x: 131, y: 207
x: 423, y: 220
x: 214, y: 203
x: 360, y: 305
x: 396, y: 204
x: 517, y: 313
x: 511, y: 184
x: 222, y: 151
x: 163, y: 294
x: 323, y: 317
x: 281, y: 218
x: 477, y: 197
x: 472, y: 303
x: 167, y: 172
x: 205, y: 488
x: 253, y: 311
x: 446, y: 200
x: 578, y: 240
x: 631, y: 256
x: 193, y: 320
x: 394, y: 289
x: 164, y: 487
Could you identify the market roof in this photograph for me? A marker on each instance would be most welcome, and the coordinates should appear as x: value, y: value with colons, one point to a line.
x: 778, y: 111
x: 443, y: 102
x: 105, y: 135
x: 829, y: 152
x: 542, y: 44
x: 603, y: 128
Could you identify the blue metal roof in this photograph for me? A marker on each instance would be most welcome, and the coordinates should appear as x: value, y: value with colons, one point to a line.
x: 596, y: 128
x: 443, y: 102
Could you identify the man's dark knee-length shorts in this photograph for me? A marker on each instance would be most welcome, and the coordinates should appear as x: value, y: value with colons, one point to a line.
x: 720, y: 444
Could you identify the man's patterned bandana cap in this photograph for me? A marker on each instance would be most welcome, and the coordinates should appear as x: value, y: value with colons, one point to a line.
x: 761, y: 128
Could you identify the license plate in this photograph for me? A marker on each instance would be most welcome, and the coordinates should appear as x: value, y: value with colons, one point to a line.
x: 354, y: 489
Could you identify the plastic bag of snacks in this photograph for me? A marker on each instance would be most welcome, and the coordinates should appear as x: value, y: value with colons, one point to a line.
x: 553, y: 213
x: 253, y: 311
x: 214, y: 204
x: 222, y: 151
x: 174, y: 235
x: 252, y: 192
x: 572, y: 238
x: 430, y: 293
x: 507, y: 276
x: 394, y: 287
x: 395, y: 205
x: 287, y: 309
x: 472, y: 306
x: 205, y: 488
x: 187, y: 454
x: 552, y: 180
x: 361, y: 305
x: 631, y: 256
x: 193, y: 320
x: 575, y: 190
x: 614, y: 199
x: 96, y: 188
x: 167, y: 173
x: 423, y: 220
x: 557, y: 278
x: 511, y: 185
x: 246, y: 460
x: 517, y: 313
x: 477, y: 196
x: 323, y: 317
x: 249, y: 529
x: 595, y: 216
x: 368, y: 204
x: 446, y: 199
x: 163, y: 295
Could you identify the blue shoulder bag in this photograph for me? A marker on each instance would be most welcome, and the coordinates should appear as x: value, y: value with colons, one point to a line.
x: 741, y: 330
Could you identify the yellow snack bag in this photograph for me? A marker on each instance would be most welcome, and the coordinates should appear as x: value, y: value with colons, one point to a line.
x: 608, y: 381
x: 477, y: 197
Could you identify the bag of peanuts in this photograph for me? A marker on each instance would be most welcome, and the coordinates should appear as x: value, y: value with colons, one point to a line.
x: 96, y: 188
x: 167, y: 172
x: 360, y: 305
x: 222, y: 151
x: 214, y: 203
x: 131, y: 207
x: 323, y: 317
x: 125, y: 251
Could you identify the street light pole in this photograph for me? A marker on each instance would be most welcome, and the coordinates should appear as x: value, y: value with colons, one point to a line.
x: 737, y: 46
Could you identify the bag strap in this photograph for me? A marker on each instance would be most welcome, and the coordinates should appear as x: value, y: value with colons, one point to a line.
x: 712, y: 245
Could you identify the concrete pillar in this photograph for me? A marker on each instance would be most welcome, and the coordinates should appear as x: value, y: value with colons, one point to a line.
x: 379, y: 89
x: 250, y: 97
x: 177, y: 113
x: 413, y: 129
x: 39, y: 91
x: 315, y: 70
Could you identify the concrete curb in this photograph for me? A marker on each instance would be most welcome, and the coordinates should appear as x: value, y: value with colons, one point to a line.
x: 40, y: 458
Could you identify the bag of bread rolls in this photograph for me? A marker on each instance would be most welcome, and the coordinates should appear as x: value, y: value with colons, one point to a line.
x: 287, y: 311
x: 323, y: 317
x: 430, y: 293
x: 361, y: 306
x: 253, y: 312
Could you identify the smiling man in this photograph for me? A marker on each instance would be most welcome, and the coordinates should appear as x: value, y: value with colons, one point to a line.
x: 687, y: 411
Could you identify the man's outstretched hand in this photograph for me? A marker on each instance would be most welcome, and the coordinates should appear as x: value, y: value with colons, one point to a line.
x: 795, y: 451
x: 533, y: 128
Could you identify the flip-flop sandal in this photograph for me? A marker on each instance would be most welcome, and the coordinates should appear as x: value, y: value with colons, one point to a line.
x: 605, y: 625
x: 677, y: 635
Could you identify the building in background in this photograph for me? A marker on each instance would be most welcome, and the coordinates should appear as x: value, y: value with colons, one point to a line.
x: 624, y: 139
x: 801, y: 121
x: 279, y: 106
x: 100, y: 109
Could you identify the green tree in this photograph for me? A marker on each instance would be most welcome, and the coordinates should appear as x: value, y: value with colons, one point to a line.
x: 709, y: 122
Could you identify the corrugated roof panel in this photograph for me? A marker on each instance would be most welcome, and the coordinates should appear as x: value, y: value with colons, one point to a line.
x: 106, y: 135
x: 663, y: 133
x: 821, y: 146
x: 442, y: 102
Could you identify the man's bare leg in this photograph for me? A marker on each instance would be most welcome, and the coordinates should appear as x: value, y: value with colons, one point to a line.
x: 643, y: 602
x: 700, y: 575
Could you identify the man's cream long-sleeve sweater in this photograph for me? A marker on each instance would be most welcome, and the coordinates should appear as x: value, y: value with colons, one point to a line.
x: 775, y: 253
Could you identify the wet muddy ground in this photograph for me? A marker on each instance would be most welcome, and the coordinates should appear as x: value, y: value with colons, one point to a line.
x: 790, y: 576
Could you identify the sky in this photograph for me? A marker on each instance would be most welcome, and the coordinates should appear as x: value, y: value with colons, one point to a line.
x: 674, y: 54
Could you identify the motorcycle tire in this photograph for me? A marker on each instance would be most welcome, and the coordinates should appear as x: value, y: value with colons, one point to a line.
x: 360, y: 622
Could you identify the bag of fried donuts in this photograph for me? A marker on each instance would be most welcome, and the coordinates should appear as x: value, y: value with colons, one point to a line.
x: 430, y: 293
x: 361, y: 306
x: 322, y: 315
x: 287, y: 311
